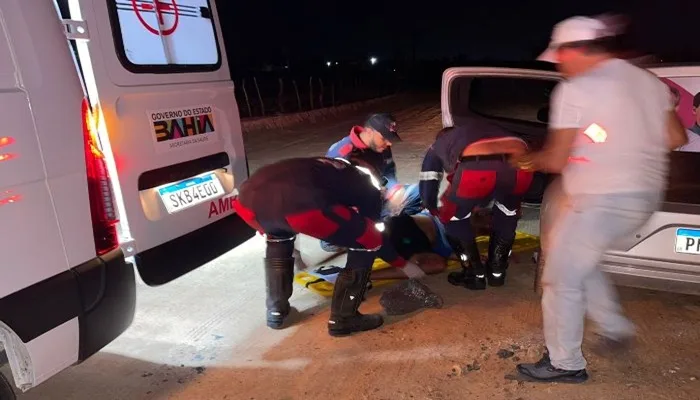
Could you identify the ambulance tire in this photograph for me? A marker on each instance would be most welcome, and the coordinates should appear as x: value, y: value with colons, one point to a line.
x: 6, y: 392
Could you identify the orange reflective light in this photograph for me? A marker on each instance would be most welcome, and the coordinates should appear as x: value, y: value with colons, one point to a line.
x: 5, y: 157
x: 4, y: 141
x: 596, y: 133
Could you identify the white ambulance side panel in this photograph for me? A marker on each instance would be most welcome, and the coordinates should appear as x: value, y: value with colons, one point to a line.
x: 45, y: 222
x: 41, y: 112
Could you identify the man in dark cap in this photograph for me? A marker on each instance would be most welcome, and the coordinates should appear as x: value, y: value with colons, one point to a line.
x: 372, y: 143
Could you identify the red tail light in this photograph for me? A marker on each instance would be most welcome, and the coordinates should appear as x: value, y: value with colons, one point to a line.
x: 104, y: 216
x: 4, y: 141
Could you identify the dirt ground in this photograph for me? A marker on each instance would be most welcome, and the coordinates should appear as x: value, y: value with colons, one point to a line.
x: 204, y: 336
x: 464, y: 350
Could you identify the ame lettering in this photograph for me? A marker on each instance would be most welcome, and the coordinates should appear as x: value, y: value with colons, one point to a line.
x: 221, y: 206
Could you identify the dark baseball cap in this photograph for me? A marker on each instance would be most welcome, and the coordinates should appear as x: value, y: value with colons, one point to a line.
x: 385, y: 124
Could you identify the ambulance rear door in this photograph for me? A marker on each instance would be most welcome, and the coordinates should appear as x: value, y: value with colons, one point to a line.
x: 157, y: 77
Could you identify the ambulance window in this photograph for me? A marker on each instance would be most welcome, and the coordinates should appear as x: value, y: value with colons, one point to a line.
x: 165, y: 36
x: 519, y: 99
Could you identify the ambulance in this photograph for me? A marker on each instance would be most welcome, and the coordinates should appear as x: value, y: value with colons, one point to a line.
x: 121, y: 140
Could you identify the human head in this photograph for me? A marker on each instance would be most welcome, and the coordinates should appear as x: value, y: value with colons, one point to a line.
x: 406, y: 236
x: 380, y: 132
x: 696, y: 107
x: 579, y: 44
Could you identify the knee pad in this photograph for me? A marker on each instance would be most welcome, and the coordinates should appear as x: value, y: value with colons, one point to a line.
x: 279, y: 247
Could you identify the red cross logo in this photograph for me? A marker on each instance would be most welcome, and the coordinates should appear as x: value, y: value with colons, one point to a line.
x: 160, y: 8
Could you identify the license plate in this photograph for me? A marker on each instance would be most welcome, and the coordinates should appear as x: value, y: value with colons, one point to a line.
x: 688, y: 241
x: 188, y: 193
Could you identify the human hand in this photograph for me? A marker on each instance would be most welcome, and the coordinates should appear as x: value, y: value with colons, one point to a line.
x: 522, y: 161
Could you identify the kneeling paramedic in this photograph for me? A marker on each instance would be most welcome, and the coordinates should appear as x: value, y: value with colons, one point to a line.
x: 372, y: 144
x: 476, y: 157
x: 328, y: 199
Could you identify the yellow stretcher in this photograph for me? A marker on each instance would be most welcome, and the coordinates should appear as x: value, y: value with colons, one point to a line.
x: 523, y: 242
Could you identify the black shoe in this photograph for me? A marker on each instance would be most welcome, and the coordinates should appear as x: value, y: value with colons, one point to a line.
x: 457, y: 278
x: 348, y: 293
x: 544, y: 371
x: 279, y: 279
x: 499, y: 252
x: 473, y: 274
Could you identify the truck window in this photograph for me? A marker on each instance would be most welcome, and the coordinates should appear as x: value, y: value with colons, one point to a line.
x: 165, y: 36
x: 519, y: 99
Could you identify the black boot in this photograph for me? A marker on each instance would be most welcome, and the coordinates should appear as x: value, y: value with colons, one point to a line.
x: 472, y: 276
x: 349, y: 291
x: 279, y: 277
x: 499, y: 252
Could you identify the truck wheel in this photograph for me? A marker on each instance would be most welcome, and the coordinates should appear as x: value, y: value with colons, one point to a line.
x: 6, y: 392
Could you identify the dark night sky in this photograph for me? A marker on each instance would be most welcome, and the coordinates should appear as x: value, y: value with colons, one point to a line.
x: 277, y: 30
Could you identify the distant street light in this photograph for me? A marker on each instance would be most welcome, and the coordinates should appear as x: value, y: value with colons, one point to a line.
x: 328, y: 63
x: 373, y: 60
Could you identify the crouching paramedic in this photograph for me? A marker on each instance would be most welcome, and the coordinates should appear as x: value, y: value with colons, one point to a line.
x: 372, y: 143
x: 328, y: 199
x: 475, y: 156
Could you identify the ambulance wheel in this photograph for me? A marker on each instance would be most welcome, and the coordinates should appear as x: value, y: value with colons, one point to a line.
x: 6, y: 392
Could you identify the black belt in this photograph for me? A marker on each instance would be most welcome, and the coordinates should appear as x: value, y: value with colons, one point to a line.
x: 485, y: 157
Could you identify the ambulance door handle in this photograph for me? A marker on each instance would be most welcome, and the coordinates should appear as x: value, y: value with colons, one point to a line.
x: 75, y: 30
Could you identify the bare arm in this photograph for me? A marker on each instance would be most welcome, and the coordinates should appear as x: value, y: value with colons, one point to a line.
x: 555, y: 154
x: 676, y: 131
x: 565, y: 116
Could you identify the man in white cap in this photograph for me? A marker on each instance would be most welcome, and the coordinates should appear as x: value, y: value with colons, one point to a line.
x: 612, y: 126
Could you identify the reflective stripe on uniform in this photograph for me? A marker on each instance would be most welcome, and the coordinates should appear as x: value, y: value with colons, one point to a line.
x: 362, y: 249
x: 459, y: 219
x: 279, y: 240
x: 430, y: 176
x: 505, y: 210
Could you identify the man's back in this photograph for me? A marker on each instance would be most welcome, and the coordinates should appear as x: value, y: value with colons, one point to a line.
x: 308, y: 183
x: 622, y: 144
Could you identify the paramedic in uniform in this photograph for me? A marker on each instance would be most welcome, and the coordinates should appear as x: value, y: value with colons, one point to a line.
x: 328, y: 199
x: 612, y: 126
x: 475, y: 156
x: 372, y: 143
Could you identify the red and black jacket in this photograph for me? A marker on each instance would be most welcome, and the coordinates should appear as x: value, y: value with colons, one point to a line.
x: 300, y: 184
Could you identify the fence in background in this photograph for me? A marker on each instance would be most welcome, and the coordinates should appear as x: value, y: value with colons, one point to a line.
x: 268, y: 94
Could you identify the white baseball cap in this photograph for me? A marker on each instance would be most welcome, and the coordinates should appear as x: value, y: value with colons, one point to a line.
x: 574, y: 29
